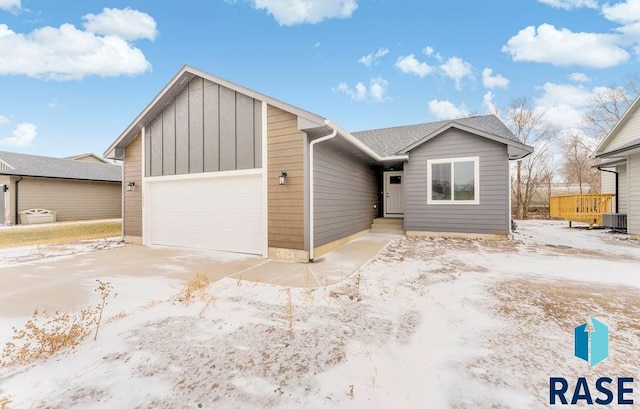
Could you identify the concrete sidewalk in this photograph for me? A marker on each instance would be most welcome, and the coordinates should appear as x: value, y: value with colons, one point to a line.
x: 61, y: 282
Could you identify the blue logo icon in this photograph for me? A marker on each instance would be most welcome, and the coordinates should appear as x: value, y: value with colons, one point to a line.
x: 592, y: 345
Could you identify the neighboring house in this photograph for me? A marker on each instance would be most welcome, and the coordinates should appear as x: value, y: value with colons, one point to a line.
x: 223, y: 167
x: 89, y: 157
x: 620, y: 156
x: 75, y: 189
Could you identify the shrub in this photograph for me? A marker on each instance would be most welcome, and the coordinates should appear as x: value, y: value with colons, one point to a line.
x: 45, y: 334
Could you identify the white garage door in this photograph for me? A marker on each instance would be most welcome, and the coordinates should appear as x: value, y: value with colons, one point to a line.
x: 217, y: 213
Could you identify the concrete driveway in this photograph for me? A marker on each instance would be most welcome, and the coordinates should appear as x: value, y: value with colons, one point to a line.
x: 142, y: 274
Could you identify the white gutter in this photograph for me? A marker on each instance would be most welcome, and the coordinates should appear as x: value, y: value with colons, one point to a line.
x: 311, y: 205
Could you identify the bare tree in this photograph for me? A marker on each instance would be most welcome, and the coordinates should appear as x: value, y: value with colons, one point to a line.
x: 607, y: 106
x: 577, y: 165
x: 529, y: 126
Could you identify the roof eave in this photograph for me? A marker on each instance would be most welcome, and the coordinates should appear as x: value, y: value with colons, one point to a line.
x: 363, y: 147
x: 614, y: 152
x: 526, y: 149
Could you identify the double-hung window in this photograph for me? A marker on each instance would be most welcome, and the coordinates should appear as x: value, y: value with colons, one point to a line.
x: 453, y: 181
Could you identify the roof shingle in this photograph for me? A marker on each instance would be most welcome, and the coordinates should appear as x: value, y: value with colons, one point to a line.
x: 44, y: 166
x: 391, y: 141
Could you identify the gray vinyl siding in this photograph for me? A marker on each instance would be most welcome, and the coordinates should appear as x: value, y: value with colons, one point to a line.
x: 623, y: 189
x: 72, y: 199
x: 205, y: 128
x: 345, y: 191
x: 490, y: 216
x: 633, y: 215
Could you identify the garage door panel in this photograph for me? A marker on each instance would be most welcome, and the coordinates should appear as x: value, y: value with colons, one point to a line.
x: 213, y: 213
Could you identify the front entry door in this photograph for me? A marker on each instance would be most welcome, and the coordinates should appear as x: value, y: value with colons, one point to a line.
x: 393, y: 194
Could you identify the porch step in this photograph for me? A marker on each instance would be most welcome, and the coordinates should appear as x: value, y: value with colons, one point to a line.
x: 386, y: 225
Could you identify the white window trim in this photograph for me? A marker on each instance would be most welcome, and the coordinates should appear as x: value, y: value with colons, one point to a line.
x: 476, y: 181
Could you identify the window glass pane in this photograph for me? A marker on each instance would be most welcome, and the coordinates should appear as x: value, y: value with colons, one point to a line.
x: 395, y: 180
x: 441, y: 181
x: 464, y: 181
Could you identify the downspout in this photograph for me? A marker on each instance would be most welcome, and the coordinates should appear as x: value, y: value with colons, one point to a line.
x: 311, y: 195
x: 16, y: 199
x: 616, y: 173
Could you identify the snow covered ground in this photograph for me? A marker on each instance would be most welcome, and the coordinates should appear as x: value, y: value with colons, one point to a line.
x: 427, y: 323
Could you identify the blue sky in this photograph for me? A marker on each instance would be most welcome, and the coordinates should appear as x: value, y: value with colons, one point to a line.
x: 73, y: 75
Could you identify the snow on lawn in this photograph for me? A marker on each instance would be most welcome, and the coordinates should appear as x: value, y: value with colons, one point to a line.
x: 15, y: 255
x: 431, y: 323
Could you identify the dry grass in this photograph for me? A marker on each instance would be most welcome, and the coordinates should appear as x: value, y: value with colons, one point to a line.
x: 58, y: 234
x: 45, y: 334
x: 4, y: 403
x: 196, y: 288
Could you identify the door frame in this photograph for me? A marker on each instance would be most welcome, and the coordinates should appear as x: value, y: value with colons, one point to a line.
x: 385, y: 175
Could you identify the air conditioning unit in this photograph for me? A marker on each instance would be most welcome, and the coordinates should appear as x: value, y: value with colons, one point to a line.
x: 615, y: 221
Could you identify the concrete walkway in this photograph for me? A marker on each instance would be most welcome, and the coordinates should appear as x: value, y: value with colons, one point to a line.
x: 61, y: 282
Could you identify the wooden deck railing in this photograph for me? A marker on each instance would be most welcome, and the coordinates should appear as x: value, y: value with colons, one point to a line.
x: 581, y: 208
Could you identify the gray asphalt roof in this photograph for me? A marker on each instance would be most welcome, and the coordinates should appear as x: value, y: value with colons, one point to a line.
x: 390, y: 141
x: 32, y: 165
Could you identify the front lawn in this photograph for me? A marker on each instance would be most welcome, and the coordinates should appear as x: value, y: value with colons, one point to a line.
x: 59, y: 233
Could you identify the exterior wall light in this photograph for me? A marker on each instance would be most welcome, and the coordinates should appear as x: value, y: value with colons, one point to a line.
x: 283, y: 177
x: 130, y: 186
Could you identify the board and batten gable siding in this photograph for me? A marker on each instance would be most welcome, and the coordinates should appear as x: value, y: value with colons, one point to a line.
x: 285, y: 152
x: 633, y: 216
x: 132, y: 211
x: 205, y: 128
x: 490, y: 216
x: 345, y: 192
x: 71, y: 199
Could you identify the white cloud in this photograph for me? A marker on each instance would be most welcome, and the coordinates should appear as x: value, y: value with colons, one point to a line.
x: 624, y: 12
x: 127, y: 24
x: 446, y: 109
x: 290, y: 12
x: 564, y: 104
x: 457, y: 69
x: 428, y: 51
x: 376, y: 91
x: 371, y: 58
x: 10, y: 5
x: 489, y: 105
x: 410, y: 65
x: 579, y: 77
x: 564, y: 47
x: 66, y: 53
x: 493, y: 81
x: 3, y: 120
x: 564, y: 94
x: 571, y: 4
x: 23, y: 135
